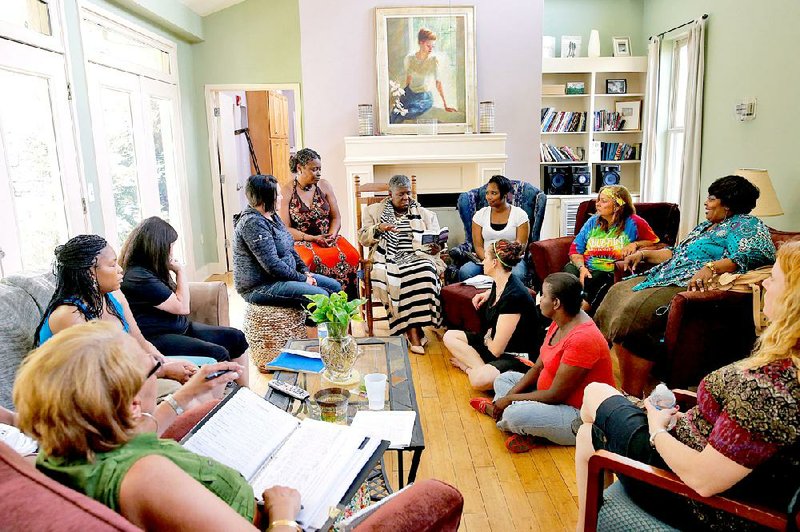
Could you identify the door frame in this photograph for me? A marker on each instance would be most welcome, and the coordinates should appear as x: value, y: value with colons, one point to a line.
x: 210, y: 92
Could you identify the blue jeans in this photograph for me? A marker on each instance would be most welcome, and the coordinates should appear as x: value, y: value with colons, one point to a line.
x: 471, y: 269
x: 291, y: 293
x: 551, y: 422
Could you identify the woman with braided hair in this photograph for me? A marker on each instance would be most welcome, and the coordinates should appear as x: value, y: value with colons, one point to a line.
x: 88, y: 282
x: 312, y: 217
x: 508, y: 315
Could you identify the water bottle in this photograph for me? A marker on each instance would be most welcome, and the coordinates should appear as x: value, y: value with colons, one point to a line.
x: 662, y: 398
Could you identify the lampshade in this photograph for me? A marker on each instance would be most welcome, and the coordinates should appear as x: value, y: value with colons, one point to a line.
x: 767, y: 204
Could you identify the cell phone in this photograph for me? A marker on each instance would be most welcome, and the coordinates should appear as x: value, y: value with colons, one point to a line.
x: 216, y: 374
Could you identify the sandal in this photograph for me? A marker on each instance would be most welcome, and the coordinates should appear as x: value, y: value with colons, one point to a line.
x: 417, y: 349
x: 481, y: 404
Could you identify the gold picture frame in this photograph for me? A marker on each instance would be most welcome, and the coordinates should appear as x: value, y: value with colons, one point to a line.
x: 432, y: 50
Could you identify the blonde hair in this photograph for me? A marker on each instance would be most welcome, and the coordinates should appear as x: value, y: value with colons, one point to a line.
x: 73, y: 394
x: 621, y: 198
x: 781, y: 339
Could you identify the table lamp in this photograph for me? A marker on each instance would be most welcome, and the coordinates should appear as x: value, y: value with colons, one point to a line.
x: 767, y: 204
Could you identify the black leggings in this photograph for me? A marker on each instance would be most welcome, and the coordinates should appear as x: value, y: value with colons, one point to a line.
x: 201, y: 340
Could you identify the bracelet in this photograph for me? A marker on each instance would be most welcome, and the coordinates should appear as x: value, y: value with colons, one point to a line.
x: 642, y: 254
x: 710, y: 266
x: 303, y: 236
x: 653, y: 436
x: 285, y: 522
x: 170, y: 400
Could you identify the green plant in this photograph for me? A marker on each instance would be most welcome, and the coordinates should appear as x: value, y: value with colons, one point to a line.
x: 335, y: 310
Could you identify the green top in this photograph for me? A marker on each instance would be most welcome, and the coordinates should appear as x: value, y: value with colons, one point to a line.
x: 101, y: 480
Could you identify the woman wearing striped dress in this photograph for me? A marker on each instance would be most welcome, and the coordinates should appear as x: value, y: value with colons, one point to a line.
x: 405, y: 274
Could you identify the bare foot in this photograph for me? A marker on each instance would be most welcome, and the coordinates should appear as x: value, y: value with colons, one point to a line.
x: 457, y: 363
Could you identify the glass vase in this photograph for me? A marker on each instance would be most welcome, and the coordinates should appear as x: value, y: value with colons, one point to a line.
x: 339, y: 352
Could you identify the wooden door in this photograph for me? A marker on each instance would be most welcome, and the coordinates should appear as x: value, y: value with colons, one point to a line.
x: 280, y: 160
x: 258, y: 123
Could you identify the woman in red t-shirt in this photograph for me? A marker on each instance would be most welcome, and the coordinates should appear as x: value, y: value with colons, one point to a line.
x: 544, y: 402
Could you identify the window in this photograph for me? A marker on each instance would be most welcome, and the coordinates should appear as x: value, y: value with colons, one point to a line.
x: 676, y: 120
x: 34, y: 22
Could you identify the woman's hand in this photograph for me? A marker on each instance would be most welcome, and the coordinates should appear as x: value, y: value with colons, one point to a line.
x: 330, y: 239
x: 450, y: 109
x: 310, y: 279
x: 178, y: 370
x: 629, y: 249
x: 281, y: 502
x: 432, y: 249
x: 387, y: 228
x: 633, y: 260
x: 659, y: 419
x: 480, y: 298
x: 501, y: 404
x: 199, y: 390
x: 319, y: 240
x: 699, y: 281
x: 174, y: 265
x: 584, y: 273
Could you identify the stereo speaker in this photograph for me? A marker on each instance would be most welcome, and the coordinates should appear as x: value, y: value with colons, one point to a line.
x: 557, y: 179
x: 581, y: 179
x: 607, y: 174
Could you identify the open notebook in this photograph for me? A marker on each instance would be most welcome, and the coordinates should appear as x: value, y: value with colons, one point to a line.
x: 271, y: 447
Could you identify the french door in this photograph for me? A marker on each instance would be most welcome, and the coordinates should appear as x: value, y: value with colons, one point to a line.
x: 41, y: 200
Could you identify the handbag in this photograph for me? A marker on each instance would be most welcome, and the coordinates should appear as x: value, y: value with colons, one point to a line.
x: 749, y: 282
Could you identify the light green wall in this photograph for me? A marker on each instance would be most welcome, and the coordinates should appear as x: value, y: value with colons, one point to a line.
x: 749, y: 52
x: 611, y: 18
x: 257, y: 41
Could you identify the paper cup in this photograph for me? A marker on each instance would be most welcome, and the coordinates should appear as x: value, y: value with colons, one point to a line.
x: 376, y: 390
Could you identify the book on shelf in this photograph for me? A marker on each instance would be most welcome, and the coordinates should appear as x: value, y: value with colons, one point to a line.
x: 554, y: 89
x: 271, y: 447
x: 620, y: 151
x: 608, y: 121
x: 436, y: 237
x: 553, y: 154
x: 554, y: 121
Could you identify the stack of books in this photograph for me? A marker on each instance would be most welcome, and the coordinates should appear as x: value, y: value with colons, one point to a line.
x: 552, y: 154
x: 562, y: 121
x: 619, y: 151
x: 608, y: 121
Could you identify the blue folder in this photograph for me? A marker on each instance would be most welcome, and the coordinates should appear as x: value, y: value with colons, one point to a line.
x: 297, y: 363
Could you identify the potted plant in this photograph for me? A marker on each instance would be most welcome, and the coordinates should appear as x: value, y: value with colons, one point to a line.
x: 338, y: 349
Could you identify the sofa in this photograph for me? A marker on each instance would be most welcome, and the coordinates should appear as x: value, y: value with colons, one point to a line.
x: 24, y: 298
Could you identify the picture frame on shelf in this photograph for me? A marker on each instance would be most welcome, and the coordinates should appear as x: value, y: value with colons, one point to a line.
x: 621, y: 46
x: 616, y: 86
x: 548, y: 46
x: 571, y: 45
x: 630, y: 112
x: 452, y: 31
x: 576, y: 87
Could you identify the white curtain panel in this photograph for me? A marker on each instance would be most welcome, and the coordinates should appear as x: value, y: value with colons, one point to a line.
x: 690, y: 169
x: 652, y: 188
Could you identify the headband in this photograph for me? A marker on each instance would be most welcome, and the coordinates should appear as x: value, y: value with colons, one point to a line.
x: 610, y: 193
x: 494, y: 248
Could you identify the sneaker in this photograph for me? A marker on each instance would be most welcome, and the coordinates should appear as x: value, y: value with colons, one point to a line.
x: 481, y: 404
x: 520, y: 443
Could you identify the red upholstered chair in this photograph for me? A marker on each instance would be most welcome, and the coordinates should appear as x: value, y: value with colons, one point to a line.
x: 550, y: 256
x: 428, y: 505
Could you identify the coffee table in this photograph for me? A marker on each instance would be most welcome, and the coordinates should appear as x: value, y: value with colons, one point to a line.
x: 387, y: 355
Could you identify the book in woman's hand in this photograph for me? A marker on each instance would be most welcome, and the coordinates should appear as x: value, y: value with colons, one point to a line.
x: 436, y: 237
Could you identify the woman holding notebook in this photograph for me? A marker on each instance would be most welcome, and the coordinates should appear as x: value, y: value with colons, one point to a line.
x: 88, y: 396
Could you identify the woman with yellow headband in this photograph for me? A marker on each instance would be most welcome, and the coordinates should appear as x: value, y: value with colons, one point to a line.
x: 610, y: 235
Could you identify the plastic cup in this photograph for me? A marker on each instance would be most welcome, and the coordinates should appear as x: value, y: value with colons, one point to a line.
x: 376, y: 390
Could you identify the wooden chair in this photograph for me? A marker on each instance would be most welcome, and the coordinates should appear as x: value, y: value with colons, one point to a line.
x: 603, y: 462
x: 366, y: 195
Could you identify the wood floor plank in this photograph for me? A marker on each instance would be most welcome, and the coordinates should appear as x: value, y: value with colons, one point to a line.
x: 544, y: 511
x: 498, y: 514
x: 474, y: 523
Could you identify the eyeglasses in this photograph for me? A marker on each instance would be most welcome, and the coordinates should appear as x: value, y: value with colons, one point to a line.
x: 154, y: 370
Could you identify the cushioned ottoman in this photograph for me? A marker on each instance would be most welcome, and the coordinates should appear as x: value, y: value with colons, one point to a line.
x: 268, y: 328
x: 457, y: 310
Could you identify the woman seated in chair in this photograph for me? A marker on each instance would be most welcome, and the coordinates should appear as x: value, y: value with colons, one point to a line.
x: 88, y: 281
x: 406, y: 276
x: 266, y: 268
x: 544, y: 401
x: 508, y: 322
x: 633, y: 315
x: 88, y: 396
x: 499, y: 220
x: 610, y: 235
x: 311, y: 215
x: 160, y: 303
x: 742, y: 436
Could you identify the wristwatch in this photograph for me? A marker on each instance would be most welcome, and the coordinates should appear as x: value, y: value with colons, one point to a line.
x: 170, y: 400
x: 710, y: 266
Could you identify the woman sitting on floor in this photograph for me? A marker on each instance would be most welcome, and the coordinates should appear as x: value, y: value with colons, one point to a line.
x: 498, y: 221
x: 266, y: 268
x: 508, y: 322
x: 632, y: 315
x: 610, y: 235
x: 405, y: 274
x: 88, y: 282
x: 88, y: 397
x: 544, y: 402
x: 311, y: 215
x: 161, y: 304
x: 741, y: 438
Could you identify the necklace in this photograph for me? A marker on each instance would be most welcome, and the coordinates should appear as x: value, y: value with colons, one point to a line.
x: 306, y: 188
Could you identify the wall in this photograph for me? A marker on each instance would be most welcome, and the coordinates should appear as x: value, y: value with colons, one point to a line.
x: 748, y: 53
x: 338, y: 57
x: 611, y: 18
x: 257, y: 41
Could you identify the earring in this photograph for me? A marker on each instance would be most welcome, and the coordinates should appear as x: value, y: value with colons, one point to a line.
x: 152, y: 418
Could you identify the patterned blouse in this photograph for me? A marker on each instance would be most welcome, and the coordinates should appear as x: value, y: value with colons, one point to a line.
x: 314, y: 219
x: 742, y: 238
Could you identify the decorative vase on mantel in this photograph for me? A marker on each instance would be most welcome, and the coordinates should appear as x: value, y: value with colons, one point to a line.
x: 594, y: 44
x: 337, y: 348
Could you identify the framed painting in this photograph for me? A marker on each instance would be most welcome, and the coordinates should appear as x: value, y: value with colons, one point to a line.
x: 426, y: 68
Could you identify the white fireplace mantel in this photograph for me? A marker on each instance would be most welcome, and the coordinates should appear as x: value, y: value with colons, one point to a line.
x: 442, y: 163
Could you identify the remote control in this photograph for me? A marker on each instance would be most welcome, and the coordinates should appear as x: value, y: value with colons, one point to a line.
x: 289, y: 389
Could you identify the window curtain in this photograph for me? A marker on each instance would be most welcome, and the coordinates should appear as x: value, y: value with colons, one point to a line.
x: 690, y: 168
x: 651, y: 187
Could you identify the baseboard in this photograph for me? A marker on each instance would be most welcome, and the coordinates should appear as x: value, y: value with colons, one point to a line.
x: 212, y: 268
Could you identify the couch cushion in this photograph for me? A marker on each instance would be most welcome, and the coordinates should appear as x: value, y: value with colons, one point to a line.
x: 620, y: 513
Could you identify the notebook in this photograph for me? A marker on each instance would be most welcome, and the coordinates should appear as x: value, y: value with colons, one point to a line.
x: 294, y: 362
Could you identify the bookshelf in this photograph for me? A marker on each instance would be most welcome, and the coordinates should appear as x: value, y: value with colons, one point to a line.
x: 594, y: 72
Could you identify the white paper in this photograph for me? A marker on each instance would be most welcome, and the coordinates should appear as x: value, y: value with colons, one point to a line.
x: 480, y: 281
x: 392, y: 425
x: 302, y: 353
x: 18, y: 441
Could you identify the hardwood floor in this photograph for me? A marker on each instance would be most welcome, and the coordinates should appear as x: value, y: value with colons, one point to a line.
x: 502, y: 491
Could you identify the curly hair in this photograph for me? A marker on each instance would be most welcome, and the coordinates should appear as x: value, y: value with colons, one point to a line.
x: 302, y: 158
x: 507, y: 252
x: 74, y: 280
x: 503, y: 184
x: 617, y: 193
x: 567, y: 289
x: 736, y: 193
x: 148, y: 246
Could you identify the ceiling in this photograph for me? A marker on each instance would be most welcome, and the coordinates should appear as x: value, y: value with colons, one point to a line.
x: 206, y: 7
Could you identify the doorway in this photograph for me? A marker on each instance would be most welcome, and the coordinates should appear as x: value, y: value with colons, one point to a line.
x: 253, y: 128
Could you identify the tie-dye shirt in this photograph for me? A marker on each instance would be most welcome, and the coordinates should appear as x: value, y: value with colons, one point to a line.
x: 601, y: 249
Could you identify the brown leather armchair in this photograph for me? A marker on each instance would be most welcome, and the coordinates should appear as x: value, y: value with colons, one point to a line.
x: 550, y: 256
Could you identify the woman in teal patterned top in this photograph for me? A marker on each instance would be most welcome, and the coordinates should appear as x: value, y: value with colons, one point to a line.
x: 730, y: 240
x: 89, y: 397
